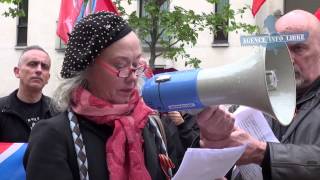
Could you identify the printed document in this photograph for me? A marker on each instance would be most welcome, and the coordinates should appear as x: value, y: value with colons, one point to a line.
x: 254, y: 122
x: 208, y: 164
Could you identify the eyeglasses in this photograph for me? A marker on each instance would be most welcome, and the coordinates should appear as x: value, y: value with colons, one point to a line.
x: 123, y: 72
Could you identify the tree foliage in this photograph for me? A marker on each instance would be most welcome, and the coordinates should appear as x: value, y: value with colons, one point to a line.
x: 13, y: 10
x: 168, y: 33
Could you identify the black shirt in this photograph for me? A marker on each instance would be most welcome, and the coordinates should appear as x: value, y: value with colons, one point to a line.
x: 30, y: 112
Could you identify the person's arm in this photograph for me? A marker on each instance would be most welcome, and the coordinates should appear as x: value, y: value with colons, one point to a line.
x: 189, y: 131
x: 278, y: 161
x: 179, y: 136
x: 187, y: 128
x: 46, y: 155
x: 294, y: 162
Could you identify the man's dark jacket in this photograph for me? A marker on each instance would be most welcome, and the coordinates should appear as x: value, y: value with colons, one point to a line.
x: 298, y: 155
x: 13, y: 128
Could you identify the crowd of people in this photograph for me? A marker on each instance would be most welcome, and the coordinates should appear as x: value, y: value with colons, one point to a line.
x: 97, y: 126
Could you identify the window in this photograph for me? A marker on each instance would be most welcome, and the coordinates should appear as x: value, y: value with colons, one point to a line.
x: 141, y: 4
x: 59, y: 44
x: 22, y: 27
x: 220, y: 38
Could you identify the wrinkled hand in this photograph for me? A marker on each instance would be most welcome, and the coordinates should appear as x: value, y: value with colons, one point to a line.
x: 255, y: 149
x: 176, y: 117
x: 215, y: 123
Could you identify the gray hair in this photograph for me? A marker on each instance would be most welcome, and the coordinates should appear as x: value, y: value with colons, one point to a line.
x: 62, y: 94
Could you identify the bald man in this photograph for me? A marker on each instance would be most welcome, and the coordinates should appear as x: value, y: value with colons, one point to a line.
x: 297, y: 156
x: 26, y: 105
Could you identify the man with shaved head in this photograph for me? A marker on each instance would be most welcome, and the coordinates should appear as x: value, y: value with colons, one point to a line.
x: 297, y: 156
x: 26, y: 105
x: 305, y: 56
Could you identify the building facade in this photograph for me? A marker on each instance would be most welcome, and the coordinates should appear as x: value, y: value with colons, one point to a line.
x: 39, y: 27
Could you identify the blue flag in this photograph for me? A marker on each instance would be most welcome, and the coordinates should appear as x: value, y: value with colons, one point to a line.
x: 11, y: 161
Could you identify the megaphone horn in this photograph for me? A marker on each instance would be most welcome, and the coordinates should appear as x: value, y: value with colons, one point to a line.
x: 264, y: 81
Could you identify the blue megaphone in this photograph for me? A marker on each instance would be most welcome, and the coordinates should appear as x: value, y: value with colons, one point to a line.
x: 265, y: 81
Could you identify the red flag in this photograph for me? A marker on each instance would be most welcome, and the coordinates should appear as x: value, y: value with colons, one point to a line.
x: 317, y: 14
x: 256, y: 4
x: 69, y: 11
x: 106, y: 5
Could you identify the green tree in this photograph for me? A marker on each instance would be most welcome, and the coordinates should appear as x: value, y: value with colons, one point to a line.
x: 13, y: 10
x: 175, y: 29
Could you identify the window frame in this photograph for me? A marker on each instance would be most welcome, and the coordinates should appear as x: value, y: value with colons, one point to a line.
x: 59, y: 44
x: 141, y: 13
x: 220, y: 39
x: 22, y: 25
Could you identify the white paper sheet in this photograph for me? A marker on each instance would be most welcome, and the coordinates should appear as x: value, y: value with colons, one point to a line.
x: 208, y: 164
x: 256, y: 125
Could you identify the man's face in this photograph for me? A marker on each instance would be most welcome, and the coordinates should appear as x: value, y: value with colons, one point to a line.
x: 306, y: 61
x: 33, y: 70
x: 125, y: 53
x: 305, y: 55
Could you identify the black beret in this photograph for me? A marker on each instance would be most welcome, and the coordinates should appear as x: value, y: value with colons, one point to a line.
x: 89, y: 37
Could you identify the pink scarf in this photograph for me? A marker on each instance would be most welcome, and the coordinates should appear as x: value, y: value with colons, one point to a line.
x: 124, y: 151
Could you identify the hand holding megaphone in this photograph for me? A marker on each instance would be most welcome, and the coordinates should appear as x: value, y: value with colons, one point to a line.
x: 215, y: 124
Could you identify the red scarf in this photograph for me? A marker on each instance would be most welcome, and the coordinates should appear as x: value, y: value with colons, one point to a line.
x: 124, y: 152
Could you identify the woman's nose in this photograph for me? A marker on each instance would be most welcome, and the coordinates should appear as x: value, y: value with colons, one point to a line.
x: 132, y: 76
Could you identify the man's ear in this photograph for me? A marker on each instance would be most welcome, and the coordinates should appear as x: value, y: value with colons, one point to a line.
x: 16, y: 71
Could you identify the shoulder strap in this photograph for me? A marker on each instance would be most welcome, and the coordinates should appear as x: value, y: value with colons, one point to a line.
x: 161, y: 128
x: 165, y: 161
x: 79, y: 146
